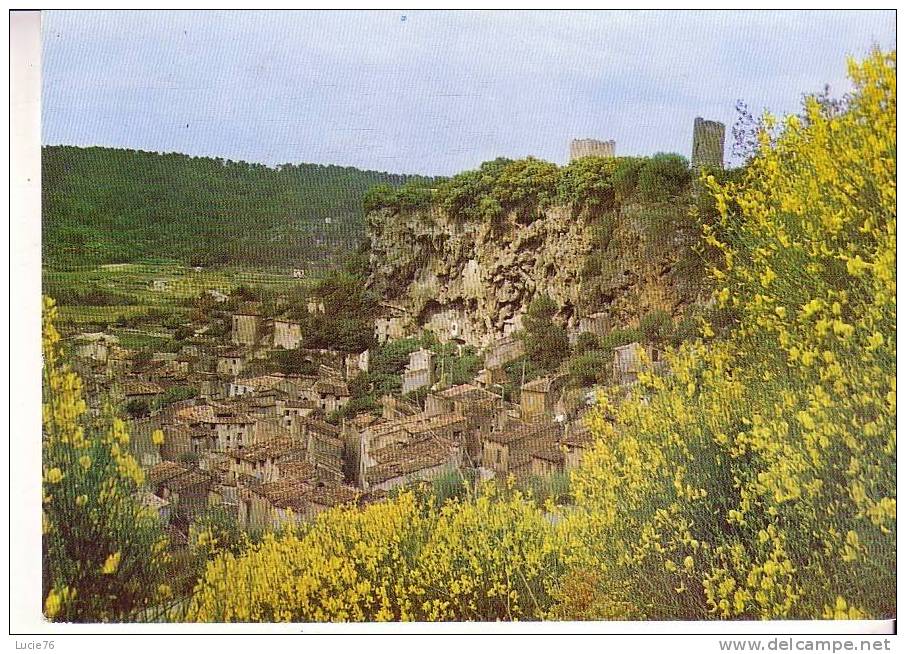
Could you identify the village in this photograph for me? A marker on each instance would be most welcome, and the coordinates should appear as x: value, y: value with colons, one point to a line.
x: 260, y: 444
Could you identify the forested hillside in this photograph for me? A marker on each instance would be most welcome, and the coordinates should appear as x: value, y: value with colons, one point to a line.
x: 105, y: 205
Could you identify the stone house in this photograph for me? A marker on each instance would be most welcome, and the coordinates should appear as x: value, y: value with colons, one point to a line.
x: 230, y: 363
x: 157, y: 504
x: 391, y: 325
x: 548, y: 460
x: 293, y: 500
x: 594, y: 323
x: 393, y: 407
x: 479, y: 407
x: 361, y: 441
x: 324, y: 447
x: 205, y: 427
x: 502, y: 351
x: 287, y: 334
x: 326, y: 496
x: 508, y: 449
x: 94, y: 346
x: 273, y: 505
x: 356, y: 364
x: 401, y: 464
x: 245, y: 328
x: 140, y: 389
x: 576, y: 442
x: 232, y: 431
x: 294, y: 410
x: 333, y: 394
x: 629, y: 360
x: 489, y: 378
x: 420, y: 371
x: 217, y: 296
x: 314, y: 306
x: 389, y: 329
x: 539, y: 397
x: 186, y: 490
x: 260, y: 461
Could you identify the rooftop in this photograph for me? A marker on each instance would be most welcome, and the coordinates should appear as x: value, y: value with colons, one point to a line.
x: 139, y: 387
x: 468, y: 393
x: 164, y: 471
x: 516, y: 430
x: 261, y: 452
x: 402, y: 459
x: 544, y: 384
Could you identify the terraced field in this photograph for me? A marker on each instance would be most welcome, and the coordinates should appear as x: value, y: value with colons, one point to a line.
x: 109, y: 293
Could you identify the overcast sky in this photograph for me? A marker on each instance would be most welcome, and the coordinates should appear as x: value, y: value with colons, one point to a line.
x: 430, y: 92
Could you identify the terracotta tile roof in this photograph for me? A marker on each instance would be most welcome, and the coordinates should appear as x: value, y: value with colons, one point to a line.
x: 139, y: 387
x: 320, y: 427
x: 403, y: 459
x: 417, y: 424
x: 261, y: 382
x: 285, y: 493
x: 468, y: 393
x: 330, y: 495
x: 194, y: 414
x: 332, y: 387
x: 544, y: 384
x: 261, y: 452
x: 151, y: 500
x: 230, y: 420
x: 550, y: 452
x: 301, y: 404
x: 329, y: 372
x: 164, y: 471
x: 188, y: 480
x: 516, y: 430
x: 299, y: 469
x: 365, y: 420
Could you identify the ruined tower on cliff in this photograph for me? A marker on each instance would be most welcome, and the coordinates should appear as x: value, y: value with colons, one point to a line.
x: 708, y: 144
x: 579, y: 148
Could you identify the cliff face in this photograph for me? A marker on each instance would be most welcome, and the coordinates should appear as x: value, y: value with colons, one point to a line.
x: 474, y: 280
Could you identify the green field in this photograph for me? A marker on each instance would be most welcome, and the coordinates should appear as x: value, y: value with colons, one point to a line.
x: 104, y: 294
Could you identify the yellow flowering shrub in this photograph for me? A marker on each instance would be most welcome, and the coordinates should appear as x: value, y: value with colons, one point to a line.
x: 103, y: 552
x: 484, y: 558
x: 758, y: 479
x: 488, y: 558
x: 350, y: 565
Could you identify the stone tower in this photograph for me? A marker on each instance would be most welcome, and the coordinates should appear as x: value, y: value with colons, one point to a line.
x: 579, y: 148
x: 708, y: 144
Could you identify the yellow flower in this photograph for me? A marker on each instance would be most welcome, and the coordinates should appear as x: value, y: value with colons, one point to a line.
x: 111, y: 564
x: 54, y: 476
x: 85, y: 461
x: 52, y: 604
x: 157, y: 437
x: 55, y: 601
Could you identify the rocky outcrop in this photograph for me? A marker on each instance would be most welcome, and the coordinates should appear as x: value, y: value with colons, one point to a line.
x: 473, y: 280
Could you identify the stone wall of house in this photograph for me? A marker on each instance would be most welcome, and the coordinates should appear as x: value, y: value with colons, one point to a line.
x: 245, y: 329
x: 287, y: 335
x: 708, y: 143
x: 579, y: 148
